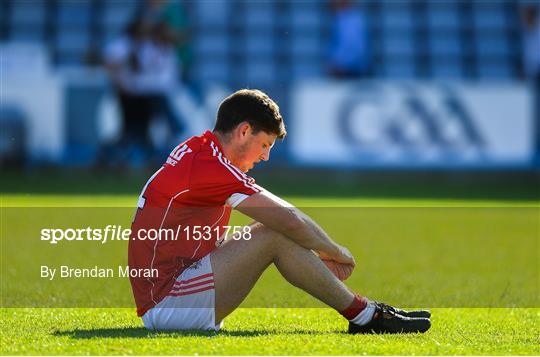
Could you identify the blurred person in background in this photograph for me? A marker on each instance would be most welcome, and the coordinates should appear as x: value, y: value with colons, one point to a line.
x: 176, y: 17
x: 173, y: 15
x: 531, y: 61
x: 143, y: 70
x: 171, y: 21
x: 349, y: 53
x: 122, y: 59
x: 162, y: 43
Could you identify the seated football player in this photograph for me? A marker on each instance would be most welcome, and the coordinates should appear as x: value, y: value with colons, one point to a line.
x: 202, y: 276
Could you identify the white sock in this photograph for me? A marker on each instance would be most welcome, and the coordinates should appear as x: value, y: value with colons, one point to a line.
x: 365, y: 315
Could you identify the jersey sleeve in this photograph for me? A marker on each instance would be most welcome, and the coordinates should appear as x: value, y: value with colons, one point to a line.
x: 236, y: 198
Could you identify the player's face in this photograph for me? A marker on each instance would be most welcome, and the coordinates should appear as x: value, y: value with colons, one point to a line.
x: 255, y: 148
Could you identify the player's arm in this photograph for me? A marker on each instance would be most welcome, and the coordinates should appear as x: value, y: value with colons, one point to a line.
x: 284, y: 218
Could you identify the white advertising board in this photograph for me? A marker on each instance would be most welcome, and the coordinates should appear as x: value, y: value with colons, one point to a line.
x: 28, y: 84
x: 411, y: 124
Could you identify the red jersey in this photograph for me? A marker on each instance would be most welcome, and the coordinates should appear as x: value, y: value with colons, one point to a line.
x: 197, y: 186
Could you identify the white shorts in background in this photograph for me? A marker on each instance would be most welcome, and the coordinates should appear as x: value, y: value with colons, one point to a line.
x: 191, y: 303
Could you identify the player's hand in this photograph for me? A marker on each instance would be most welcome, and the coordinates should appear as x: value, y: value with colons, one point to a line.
x: 340, y: 255
x: 341, y: 271
x: 341, y: 263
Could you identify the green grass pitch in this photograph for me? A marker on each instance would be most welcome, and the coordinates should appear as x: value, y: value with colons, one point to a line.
x: 266, y: 331
x: 473, y: 262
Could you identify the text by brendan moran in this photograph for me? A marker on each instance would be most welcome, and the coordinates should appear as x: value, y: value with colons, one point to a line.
x: 122, y: 271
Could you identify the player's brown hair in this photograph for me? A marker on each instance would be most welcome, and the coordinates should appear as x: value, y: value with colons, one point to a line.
x: 252, y: 106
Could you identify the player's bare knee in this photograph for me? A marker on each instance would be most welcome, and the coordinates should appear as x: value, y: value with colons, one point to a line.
x: 269, y: 237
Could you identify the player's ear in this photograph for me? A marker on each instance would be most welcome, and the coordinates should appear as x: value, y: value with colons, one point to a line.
x: 244, y: 129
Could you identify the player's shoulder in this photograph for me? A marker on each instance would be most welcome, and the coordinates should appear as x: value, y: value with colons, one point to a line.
x: 201, y: 143
x: 228, y: 170
x: 211, y: 161
x: 193, y: 145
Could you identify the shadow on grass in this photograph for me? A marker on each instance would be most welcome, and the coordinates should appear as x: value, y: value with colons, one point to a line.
x: 140, y: 332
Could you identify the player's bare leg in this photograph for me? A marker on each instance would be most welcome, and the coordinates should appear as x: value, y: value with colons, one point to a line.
x: 237, y: 266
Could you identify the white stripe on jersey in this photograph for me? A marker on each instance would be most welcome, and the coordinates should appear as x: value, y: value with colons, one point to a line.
x: 214, y: 149
x: 240, y: 172
x: 246, y: 178
x: 233, y: 169
x: 229, y: 167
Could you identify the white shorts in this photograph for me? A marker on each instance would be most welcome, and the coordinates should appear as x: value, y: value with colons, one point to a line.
x: 191, y: 303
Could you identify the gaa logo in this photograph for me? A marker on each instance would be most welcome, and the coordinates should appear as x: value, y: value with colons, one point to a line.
x: 409, y: 121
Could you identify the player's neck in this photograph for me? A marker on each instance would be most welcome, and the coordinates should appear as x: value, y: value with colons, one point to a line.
x: 224, y: 142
